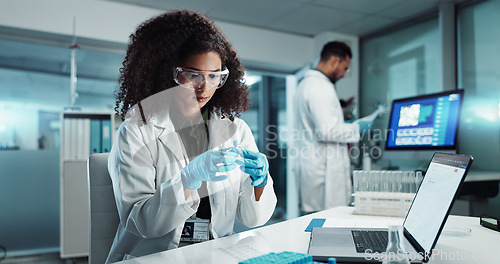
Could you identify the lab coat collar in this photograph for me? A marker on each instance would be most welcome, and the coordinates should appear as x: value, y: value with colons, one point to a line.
x: 168, y: 136
x: 320, y: 71
x: 317, y: 73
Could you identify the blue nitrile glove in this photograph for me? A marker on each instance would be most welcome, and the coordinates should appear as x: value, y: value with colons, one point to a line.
x: 350, y: 121
x: 365, y: 126
x: 208, y: 167
x: 255, y: 164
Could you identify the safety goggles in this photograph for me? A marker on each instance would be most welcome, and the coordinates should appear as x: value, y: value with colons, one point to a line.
x: 347, y: 69
x: 193, y: 79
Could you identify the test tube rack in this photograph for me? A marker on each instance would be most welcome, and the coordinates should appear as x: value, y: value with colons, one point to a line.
x: 385, y: 193
x: 383, y: 203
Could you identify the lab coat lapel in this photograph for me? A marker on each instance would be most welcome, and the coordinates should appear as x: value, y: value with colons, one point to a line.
x: 160, y: 109
x: 172, y: 141
x: 168, y: 136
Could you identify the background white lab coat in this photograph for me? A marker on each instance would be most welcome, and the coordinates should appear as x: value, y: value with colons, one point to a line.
x: 322, y: 160
x: 145, y: 164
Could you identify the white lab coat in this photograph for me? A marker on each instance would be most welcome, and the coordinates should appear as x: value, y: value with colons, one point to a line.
x: 320, y: 148
x: 145, y: 164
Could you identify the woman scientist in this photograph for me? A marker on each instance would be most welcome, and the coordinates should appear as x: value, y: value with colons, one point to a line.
x: 182, y: 155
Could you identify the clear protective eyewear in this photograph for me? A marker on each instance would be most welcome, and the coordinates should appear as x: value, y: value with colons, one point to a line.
x: 193, y: 79
x: 346, y: 69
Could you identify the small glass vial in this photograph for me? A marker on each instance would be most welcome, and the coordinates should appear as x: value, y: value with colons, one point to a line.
x: 396, y: 252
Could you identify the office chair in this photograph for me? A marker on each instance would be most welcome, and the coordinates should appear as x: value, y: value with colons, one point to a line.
x: 103, y: 214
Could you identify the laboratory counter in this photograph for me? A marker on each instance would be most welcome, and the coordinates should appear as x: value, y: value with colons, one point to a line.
x: 463, y: 240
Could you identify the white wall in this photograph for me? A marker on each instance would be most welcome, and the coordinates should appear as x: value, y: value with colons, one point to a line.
x: 269, y: 49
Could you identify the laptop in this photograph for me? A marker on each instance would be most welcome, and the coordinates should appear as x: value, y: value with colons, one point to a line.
x: 422, y: 225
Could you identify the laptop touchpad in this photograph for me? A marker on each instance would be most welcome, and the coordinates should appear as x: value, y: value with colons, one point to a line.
x: 334, y: 240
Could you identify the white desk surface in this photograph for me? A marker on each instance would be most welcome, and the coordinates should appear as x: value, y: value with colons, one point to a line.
x: 455, y: 244
x: 475, y: 176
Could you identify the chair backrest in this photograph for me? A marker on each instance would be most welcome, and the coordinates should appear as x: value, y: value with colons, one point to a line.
x: 103, y: 215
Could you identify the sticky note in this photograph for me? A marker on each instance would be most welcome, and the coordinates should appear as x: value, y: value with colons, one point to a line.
x: 316, y: 222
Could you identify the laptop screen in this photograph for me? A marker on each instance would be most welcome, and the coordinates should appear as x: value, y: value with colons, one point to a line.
x: 433, y: 200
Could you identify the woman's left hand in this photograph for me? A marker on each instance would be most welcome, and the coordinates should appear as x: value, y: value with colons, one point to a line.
x: 255, y: 164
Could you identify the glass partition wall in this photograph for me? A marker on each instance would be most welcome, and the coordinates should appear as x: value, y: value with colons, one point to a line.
x: 400, y: 63
x: 34, y: 90
x: 404, y: 62
x: 266, y: 117
x: 35, y: 84
x: 478, y: 71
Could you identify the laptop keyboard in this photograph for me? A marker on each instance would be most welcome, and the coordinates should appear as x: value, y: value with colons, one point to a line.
x: 375, y: 241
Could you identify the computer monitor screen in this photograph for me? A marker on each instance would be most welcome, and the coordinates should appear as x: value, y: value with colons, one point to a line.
x: 427, y: 122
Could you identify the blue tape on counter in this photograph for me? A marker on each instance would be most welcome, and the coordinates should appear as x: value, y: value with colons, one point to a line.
x: 316, y: 222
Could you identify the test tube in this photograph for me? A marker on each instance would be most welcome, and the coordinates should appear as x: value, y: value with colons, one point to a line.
x: 369, y: 181
x: 366, y: 181
x: 394, y: 181
x: 378, y: 182
x: 384, y: 181
x: 373, y: 181
x: 409, y: 181
x: 368, y: 185
x: 361, y: 181
x: 412, y: 181
x: 404, y: 181
x: 419, y: 177
x: 388, y: 184
x: 388, y: 179
x: 401, y: 181
x: 355, y: 180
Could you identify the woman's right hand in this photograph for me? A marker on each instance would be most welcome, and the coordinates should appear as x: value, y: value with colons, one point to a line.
x: 208, y: 166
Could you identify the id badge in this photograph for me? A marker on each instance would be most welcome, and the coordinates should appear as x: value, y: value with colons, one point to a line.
x: 195, y: 230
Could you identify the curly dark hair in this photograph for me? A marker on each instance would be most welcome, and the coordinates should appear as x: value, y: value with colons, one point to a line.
x: 160, y: 43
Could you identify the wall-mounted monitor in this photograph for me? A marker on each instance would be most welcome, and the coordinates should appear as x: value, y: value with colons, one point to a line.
x: 425, y: 123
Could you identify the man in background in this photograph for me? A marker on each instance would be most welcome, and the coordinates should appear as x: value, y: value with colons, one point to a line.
x: 323, y: 164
